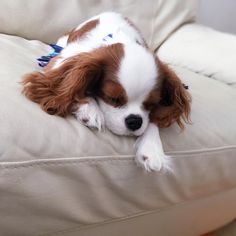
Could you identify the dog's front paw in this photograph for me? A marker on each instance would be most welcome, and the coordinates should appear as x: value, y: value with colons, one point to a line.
x: 152, y: 161
x: 150, y: 156
x: 90, y: 115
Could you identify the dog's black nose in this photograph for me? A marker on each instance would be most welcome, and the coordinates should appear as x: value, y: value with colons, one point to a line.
x: 133, y: 122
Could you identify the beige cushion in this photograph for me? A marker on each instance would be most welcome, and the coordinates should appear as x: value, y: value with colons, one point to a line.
x: 204, y: 51
x: 59, y: 176
x: 47, y: 20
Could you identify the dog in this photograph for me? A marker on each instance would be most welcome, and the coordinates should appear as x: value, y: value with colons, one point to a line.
x: 108, y: 77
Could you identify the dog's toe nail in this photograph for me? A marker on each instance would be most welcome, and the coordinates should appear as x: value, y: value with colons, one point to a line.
x: 85, y: 120
x: 145, y: 158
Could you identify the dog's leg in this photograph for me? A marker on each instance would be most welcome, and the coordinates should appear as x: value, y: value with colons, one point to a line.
x: 149, y: 151
x: 89, y: 114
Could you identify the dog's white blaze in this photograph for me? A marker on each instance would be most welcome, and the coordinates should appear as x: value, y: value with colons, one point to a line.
x: 138, y: 72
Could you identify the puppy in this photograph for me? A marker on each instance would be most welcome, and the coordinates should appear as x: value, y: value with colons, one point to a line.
x: 107, y: 76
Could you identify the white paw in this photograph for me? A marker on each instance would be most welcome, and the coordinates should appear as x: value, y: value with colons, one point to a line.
x: 150, y: 156
x: 149, y: 151
x: 90, y: 115
x: 152, y: 161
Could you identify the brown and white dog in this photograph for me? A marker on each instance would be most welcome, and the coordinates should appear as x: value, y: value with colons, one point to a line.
x: 107, y: 76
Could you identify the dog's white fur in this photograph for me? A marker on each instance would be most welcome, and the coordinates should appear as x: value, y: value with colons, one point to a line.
x: 137, y: 74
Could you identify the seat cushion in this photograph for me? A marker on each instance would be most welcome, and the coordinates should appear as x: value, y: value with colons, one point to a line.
x: 57, y: 175
x: 48, y: 20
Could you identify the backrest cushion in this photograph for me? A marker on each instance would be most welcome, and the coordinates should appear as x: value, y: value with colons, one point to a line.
x: 46, y: 20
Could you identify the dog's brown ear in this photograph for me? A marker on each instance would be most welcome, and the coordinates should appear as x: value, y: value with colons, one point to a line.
x: 56, y: 90
x: 174, y: 100
x: 38, y: 88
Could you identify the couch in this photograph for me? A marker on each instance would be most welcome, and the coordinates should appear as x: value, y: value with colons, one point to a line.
x: 58, y: 177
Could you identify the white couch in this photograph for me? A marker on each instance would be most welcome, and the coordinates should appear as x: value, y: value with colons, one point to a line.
x: 58, y: 177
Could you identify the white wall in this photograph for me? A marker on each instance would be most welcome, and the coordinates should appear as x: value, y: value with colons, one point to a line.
x: 219, y: 14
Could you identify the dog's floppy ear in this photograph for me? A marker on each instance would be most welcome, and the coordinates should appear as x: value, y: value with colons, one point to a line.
x: 174, y: 100
x: 57, y: 90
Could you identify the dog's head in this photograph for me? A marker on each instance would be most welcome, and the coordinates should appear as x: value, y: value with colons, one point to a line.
x: 131, y: 86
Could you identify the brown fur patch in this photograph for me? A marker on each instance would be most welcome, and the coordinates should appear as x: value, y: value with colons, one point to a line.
x: 80, y: 76
x: 113, y: 93
x: 110, y: 89
x: 169, y: 102
x: 51, y: 63
x: 81, y: 32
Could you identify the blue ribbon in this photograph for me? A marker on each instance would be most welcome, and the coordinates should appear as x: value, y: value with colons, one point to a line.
x: 44, y: 60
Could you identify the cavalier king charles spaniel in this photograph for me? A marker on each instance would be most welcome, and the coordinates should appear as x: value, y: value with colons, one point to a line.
x: 108, y: 77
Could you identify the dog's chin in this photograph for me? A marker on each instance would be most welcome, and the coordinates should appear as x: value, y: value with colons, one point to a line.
x: 127, y: 132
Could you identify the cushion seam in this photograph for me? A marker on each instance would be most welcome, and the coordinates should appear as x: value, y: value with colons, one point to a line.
x: 95, y: 160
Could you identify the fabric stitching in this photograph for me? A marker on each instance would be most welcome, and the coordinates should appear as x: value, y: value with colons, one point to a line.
x: 96, y: 160
x: 59, y: 162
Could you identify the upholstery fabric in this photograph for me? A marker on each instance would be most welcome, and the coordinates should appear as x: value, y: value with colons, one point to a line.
x: 47, y: 20
x: 58, y: 177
